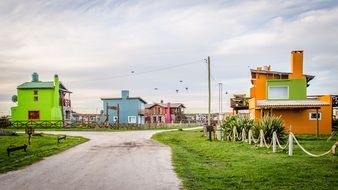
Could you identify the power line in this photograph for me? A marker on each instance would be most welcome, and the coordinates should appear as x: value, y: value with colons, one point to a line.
x: 133, y: 73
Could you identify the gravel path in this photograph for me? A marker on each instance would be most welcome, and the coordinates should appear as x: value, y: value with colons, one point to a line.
x: 110, y: 160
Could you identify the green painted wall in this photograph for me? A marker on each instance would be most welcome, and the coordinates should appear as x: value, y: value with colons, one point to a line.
x: 297, y: 87
x: 48, y: 104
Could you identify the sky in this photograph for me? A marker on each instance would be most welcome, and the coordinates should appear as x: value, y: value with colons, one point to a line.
x: 100, y: 47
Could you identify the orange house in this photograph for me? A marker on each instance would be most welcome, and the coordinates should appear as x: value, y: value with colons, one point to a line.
x: 285, y: 94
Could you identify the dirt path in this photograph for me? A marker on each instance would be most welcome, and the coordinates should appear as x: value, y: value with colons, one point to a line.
x: 110, y: 160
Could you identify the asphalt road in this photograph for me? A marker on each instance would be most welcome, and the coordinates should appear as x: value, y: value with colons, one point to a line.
x: 110, y: 160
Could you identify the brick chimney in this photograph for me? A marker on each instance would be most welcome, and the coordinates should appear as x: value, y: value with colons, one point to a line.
x: 296, y: 64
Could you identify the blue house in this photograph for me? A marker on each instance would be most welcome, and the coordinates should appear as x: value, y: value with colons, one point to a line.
x: 124, y: 110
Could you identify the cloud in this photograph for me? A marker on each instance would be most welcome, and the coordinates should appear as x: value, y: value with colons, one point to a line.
x: 90, y: 43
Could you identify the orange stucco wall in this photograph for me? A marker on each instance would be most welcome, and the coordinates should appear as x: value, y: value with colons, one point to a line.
x: 299, y: 119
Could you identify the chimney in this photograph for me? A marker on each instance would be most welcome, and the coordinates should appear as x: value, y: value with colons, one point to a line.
x: 125, y: 94
x: 161, y: 101
x: 296, y: 64
x: 35, y: 77
x: 56, y: 79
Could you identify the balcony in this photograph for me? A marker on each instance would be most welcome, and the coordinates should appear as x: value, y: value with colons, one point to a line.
x: 65, y: 103
x: 239, y: 103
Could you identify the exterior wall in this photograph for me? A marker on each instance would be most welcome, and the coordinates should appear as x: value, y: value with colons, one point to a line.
x: 128, y: 107
x: 45, y: 105
x: 259, y: 88
x: 252, y: 106
x: 297, y: 87
x: 300, y: 122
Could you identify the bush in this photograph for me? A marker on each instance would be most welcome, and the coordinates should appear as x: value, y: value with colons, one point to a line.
x: 238, y: 121
x: 4, y: 122
x: 269, y: 125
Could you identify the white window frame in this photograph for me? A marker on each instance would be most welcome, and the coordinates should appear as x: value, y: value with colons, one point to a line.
x: 132, y: 119
x: 320, y: 116
x: 273, y: 86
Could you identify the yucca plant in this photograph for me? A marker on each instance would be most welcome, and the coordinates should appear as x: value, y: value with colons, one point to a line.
x: 269, y: 125
x: 238, y: 121
x: 228, y: 124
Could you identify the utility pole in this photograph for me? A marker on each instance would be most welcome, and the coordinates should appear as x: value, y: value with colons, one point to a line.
x: 210, y: 128
x: 220, y: 87
x: 209, y: 91
x: 219, y: 102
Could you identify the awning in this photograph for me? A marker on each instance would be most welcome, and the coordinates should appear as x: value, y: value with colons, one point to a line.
x: 283, y: 104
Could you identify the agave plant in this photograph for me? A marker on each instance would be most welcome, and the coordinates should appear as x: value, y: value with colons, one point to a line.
x: 239, y: 122
x: 269, y: 125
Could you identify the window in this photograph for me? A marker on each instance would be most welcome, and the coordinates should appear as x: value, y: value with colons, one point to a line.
x: 67, y: 115
x: 33, y: 114
x: 35, y: 92
x: 36, y: 98
x: 278, y: 92
x: 313, y: 115
x: 131, y: 119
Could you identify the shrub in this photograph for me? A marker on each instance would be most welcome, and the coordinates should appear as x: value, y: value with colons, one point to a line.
x: 270, y: 124
x: 4, y: 122
x: 238, y: 121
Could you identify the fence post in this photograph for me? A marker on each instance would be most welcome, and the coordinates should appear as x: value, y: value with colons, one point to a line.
x: 221, y: 135
x: 290, y: 144
x: 274, y: 136
x: 261, y: 135
x: 234, y: 134
x: 250, y: 134
x: 243, y: 135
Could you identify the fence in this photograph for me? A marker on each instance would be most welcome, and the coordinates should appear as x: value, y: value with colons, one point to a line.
x: 275, y: 143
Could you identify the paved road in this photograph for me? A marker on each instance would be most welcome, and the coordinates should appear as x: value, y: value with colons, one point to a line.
x: 110, y: 160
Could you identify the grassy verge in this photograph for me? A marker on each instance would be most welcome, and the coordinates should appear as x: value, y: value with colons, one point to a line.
x: 42, y: 146
x: 235, y: 165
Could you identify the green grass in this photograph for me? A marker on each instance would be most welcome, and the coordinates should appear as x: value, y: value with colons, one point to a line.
x: 40, y: 147
x: 236, y: 165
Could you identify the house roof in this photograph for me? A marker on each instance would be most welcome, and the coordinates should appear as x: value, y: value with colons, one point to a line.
x: 41, y: 85
x: 173, y: 105
x: 29, y: 85
x: 308, y: 77
x: 129, y: 98
x: 291, y: 103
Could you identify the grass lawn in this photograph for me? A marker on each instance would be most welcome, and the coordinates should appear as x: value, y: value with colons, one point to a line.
x: 41, y: 146
x: 237, y: 165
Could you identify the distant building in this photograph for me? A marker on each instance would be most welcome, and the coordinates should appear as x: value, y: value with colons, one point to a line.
x: 284, y: 94
x: 164, y: 112
x: 85, y: 118
x: 124, y: 110
x: 42, y: 101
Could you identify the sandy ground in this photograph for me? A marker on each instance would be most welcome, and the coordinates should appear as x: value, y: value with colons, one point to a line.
x: 110, y: 160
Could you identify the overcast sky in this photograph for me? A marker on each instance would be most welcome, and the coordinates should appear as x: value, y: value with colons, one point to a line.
x: 94, y: 45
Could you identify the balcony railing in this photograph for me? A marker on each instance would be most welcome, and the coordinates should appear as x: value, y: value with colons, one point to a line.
x: 242, y: 103
x: 65, y: 103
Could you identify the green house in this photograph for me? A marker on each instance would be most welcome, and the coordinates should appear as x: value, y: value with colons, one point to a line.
x: 42, y: 101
